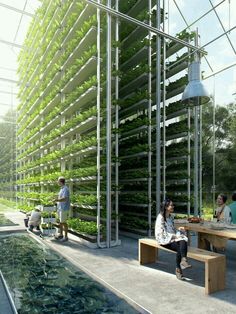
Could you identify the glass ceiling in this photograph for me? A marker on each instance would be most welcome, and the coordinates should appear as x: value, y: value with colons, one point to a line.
x: 15, y: 16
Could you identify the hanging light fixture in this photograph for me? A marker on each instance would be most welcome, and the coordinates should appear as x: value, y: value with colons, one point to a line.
x: 195, y: 92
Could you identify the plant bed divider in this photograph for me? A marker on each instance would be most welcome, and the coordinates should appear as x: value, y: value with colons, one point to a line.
x: 85, y: 239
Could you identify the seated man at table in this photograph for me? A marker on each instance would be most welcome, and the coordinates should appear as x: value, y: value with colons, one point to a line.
x: 232, y: 207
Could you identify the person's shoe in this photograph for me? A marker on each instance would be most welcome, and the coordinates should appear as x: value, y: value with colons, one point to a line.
x: 58, y: 237
x: 179, y: 274
x: 64, y: 239
x: 184, y: 263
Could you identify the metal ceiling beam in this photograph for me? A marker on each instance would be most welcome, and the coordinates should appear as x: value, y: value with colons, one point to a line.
x: 9, y: 105
x: 219, y: 71
x: 4, y: 117
x: 188, y: 27
x: 202, y: 47
x: 15, y: 9
x: 8, y: 80
x: 21, y: 17
x: 10, y: 43
x: 232, y: 46
x: 9, y: 93
x: 8, y: 69
x: 202, y: 16
x: 142, y: 24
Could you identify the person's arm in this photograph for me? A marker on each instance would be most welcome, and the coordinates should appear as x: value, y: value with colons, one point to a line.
x: 64, y: 197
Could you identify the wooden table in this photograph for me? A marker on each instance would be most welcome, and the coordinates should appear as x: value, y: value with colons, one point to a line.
x: 201, y: 229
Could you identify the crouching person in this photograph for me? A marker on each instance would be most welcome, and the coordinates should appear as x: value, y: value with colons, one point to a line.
x: 34, y: 219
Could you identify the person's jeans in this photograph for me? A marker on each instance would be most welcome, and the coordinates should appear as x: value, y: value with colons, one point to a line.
x: 180, y: 247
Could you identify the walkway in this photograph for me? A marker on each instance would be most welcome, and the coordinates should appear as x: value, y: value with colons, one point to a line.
x: 155, y: 287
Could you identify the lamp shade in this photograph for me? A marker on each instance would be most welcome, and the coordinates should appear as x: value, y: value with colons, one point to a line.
x: 195, y: 93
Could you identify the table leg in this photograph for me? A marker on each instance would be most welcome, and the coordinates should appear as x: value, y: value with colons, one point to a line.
x: 201, y: 242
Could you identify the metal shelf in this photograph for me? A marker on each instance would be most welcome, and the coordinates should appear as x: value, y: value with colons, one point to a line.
x: 51, y: 124
x: 38, y: 45
x: 182, y: 66
x: 135, y: 84
x: 82, y: 152
x: 83, y: 17
x: 134, y: 131
x: 177, y: 113
x: 134, y: 204
x: 84, y: 72
x: 175, y: 136
x: 83, y: 46
x: 175, y: 92
x: 177, y: 181
x: 142, y: 154
x: 173, y: 49
x: 135, y: 180
x: 134, y: 35
x: 135, y: 59
x: 177, y: 158
x: 138, y: 7
x: 141, y: 105
x: 81, y: 128
x: 82, y: 101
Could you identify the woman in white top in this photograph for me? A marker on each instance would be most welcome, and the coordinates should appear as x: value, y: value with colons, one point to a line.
x: 222, y: 212
x: 169, y: 237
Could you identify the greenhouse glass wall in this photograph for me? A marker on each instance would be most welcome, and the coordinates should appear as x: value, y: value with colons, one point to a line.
x: 100, y: 94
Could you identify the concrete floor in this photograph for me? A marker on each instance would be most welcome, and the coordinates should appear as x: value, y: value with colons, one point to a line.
x: 155, y: 288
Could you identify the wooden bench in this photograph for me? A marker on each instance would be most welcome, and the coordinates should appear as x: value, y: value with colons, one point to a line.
x: 214, y: 263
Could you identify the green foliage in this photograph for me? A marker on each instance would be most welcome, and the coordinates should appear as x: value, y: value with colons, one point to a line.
x: 225, y: 147
x: 88, y: 227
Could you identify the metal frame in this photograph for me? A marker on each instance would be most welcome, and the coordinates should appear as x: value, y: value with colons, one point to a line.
x: 149, y: 125
x: 98, y: 127
x: 158, y: 111
x: 116, y: 135
x: 15, y: 9
x: 163, y: 142
x: 108, y: 129
x: 155, y: 30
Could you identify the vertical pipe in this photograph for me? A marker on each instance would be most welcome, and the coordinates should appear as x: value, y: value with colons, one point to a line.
x: 149, y: 124
x: 16, y: 156
x: 200, y: 159
x: 98, y: 126
x: 196, y: 143
x: 164, y: 110
x: 158, y: 111
x: 108, y: 129
x: 214, y: 150
x: 189, y: 162
x: 196, y: 160
x: 117, y: 126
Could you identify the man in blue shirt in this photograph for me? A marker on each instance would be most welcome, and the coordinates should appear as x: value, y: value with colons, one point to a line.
x: 63, y: 207
x: 232, y: 206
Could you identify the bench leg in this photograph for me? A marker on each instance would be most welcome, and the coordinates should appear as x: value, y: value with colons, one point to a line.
x: 215, y: 275
x: 147, y: 254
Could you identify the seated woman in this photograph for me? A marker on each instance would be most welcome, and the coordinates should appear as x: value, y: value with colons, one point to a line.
x: 223, y: 215
x: 35, y: 219
x: 222, y: 212
x: 169, y: 237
